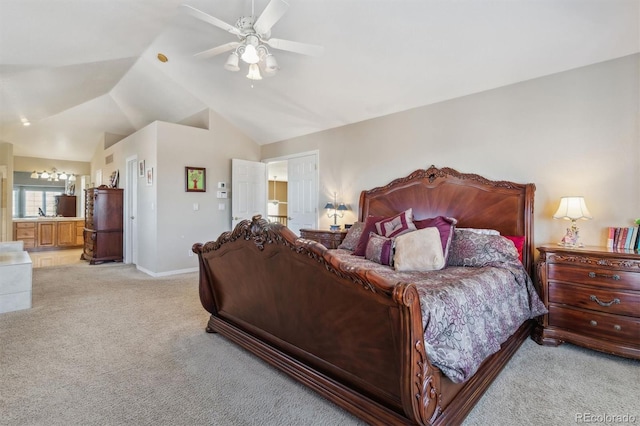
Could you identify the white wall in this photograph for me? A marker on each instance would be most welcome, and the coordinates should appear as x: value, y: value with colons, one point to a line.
x: 179, y: 225
x: 572, y: 133
x: 167, y: 224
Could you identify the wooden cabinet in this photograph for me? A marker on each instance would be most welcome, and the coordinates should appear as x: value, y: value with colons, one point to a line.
x: 79, y: 233
x: 66, y: 205
x: 48, y: 234
x: 66, y: 234
x: 103, y: 225
x: 329, y: 239
x: 593, y: 298
x: 25, y: 232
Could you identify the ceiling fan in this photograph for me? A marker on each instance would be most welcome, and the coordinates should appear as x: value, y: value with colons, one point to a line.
x: 254, y: 36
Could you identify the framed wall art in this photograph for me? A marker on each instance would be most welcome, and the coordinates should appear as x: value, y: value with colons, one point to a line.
x: 149, y: 176
x: 195, y: 179
x: 141, y: 168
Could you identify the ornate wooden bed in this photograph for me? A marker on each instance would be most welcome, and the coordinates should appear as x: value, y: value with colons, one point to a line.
x: 347, y: 333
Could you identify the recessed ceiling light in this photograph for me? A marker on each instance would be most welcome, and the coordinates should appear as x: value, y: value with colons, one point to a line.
x: 162, y: 57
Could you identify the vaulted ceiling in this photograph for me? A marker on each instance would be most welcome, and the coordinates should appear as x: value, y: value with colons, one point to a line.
x: 79, y: 69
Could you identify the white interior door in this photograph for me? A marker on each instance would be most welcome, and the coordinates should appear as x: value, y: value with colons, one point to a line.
x: 302, y: 192
x: 248, y: 190
x: 131, y: 212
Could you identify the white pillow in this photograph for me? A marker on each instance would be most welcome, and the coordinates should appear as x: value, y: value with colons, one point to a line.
x: 419, y: 250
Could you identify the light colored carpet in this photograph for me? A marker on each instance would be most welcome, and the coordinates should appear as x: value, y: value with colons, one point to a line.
x: 109, y: 345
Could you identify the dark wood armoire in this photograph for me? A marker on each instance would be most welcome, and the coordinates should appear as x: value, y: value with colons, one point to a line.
x: 66, y: 205
x: 103, y: 225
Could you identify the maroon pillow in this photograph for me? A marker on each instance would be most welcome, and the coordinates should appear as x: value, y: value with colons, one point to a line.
x: 369, y: 226
x: 445, y: 226
x: 518, y: 242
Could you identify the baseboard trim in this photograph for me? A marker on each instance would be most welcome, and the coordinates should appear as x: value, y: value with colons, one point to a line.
x: 166, y: 273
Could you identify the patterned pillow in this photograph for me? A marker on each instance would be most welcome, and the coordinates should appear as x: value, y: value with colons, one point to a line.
x: 369, y: 226
x: 420, y: 250
x: 396, y: 225
x: 445, y: 226
x: 473, y: 249
x: 353, y: 236
x: 481, y: 231
x: 379, y: 249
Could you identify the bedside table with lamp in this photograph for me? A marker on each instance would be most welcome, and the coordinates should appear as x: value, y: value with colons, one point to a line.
x: 333, y: 237
x: 592, y: 293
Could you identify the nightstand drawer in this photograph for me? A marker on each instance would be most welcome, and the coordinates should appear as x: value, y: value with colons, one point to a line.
x: 597, y: 299
x: 594, y: 276
x: 595, y: 324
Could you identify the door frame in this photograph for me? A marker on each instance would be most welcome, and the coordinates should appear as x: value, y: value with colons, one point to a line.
x: 316, y: 153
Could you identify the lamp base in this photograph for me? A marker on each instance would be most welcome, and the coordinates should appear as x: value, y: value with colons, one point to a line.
x: 334, y: 227
x: 571, y: 238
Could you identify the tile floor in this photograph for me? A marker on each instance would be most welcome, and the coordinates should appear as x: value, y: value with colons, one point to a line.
x: 42, y: 259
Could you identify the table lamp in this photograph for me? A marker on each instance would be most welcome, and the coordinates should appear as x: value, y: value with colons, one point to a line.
x: 572, y: 208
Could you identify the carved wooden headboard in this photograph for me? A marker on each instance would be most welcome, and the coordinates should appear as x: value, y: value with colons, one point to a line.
x: 476, y: 202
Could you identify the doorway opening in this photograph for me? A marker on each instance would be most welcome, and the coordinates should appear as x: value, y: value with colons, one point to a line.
x: 277, y: 192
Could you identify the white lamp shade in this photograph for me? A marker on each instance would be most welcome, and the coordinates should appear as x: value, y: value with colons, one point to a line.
x: 270, y: 64
x: 250, y: 55
x: 232, y: 62
x: 572, y: 208
x: 254, y: 72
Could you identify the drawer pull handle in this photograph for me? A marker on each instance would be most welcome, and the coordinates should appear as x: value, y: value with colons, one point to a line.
x: 615, y: 277
x: 606, y: 304
x: 593, y: 323
x: 617, y: 327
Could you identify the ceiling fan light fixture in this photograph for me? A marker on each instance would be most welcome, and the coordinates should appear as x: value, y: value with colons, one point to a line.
x: 254, y: 72
x: 270, y: 64
x: 250, y: 54
x: 232, y: 62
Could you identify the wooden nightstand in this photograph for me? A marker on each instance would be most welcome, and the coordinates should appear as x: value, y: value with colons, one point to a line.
x: 329, y: 239
x: 593, y: 297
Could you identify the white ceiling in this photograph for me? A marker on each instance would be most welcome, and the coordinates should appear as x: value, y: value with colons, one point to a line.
x: 77, y: 69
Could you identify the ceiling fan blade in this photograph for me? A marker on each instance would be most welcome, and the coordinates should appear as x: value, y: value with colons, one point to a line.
x: 210, y: 19
x: 270, y: 15
x: 294, y: 46
x: 217, y: 50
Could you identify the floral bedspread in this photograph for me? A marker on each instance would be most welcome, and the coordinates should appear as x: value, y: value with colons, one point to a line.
x: 467, y: 312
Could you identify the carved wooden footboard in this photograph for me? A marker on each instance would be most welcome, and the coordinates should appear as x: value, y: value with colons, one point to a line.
x: 349, y: 333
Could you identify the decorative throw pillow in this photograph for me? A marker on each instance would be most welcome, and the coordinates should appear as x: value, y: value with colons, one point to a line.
x: 420, y: 250
x: 473, y: 249
x: 353, y: 236
x: 369, y: 226
x: 379, y: 249
x: 445, y: 226
x: 481, y: 231
x: 396, y: 225
x: 518, y: 242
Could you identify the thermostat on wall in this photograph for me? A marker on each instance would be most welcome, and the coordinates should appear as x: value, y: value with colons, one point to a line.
x: 222, y: 194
